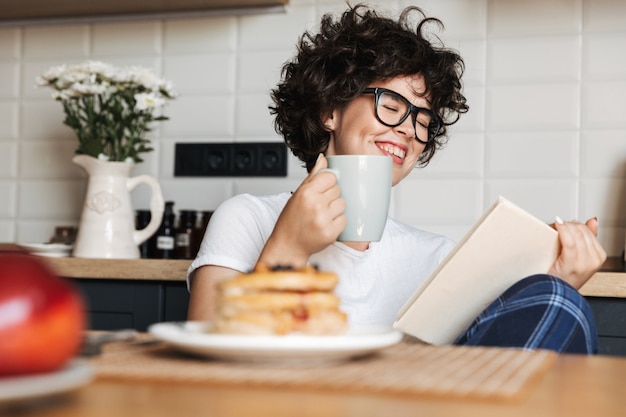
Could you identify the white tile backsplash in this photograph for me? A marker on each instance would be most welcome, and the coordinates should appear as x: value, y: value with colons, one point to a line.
x: 10, y: 43
x: 545, y: 81
x: 9, y: 82
x: 550, y: 154
x: 601, y: 59
x: 546, y: 58
x: 127, y: 38
x: 193, y: 36
x: 603, y: 105
x: 201, y: 75
x: 534, y: 17
x: 533, y: 106
x: 8, y: 160
x: 9, y: 111
x: 56, y: 41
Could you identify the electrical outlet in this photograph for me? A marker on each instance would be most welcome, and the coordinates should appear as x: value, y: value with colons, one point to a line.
x: 230, y: 159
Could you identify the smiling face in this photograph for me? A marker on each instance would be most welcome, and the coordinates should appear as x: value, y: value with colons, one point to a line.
x: 354, y: 129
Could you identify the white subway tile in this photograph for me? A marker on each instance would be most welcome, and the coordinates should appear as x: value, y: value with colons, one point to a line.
x: 604, y: 15
x: 532, y: 154
x: 543, y: 199
x: 474, y: 119
x: 461, y: 18
x: 197, y: 193
x: 534, y: 17
x: 8, y: 191
x: 337, y: 7
x: 604, y: 198
x: 39, y: 231
x: 603, y: 154
x: 275, y: 31
x: 253, y: 115
x: 601, y: 59
x: 260, y: 71
x: 126, y: 38
x: 9, y: 79
x: 56, y: 41
x: 462, y: 157
x: 43, y: 120
x: 218, y: 34
x: 8, y: 160
x: 55, y: 199
x: 205, y: 115
x: 194, y: 75
x: 49, y: 160
x: 9, y: 119
x: 474, y: 57
x: 7, y: 231
x: 603, y: 105
x: 10, y: 43
x: 612, y: 239
x: 295, y: 168
x: 533, y: 106
x: 437, y: 201
x: 534, y: 58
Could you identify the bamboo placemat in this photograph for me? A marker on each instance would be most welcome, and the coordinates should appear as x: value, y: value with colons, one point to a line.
x: 406, y: 368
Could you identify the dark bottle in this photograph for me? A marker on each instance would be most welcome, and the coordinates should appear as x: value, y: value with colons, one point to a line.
x: 201, y: 228
x: 166, y: 235
x: 186, y: 236
x: 142, y: 218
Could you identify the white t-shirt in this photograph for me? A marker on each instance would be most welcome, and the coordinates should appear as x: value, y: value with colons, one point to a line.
x: 373, y: 285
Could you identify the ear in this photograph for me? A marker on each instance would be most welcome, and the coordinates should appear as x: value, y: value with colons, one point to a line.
x: 329, y: 121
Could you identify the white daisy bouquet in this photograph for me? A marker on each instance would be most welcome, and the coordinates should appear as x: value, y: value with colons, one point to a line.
x: 109, y: 108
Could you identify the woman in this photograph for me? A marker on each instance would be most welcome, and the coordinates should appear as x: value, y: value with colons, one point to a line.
x: 334, y: 99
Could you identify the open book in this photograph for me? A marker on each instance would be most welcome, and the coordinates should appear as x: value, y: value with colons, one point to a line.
x: 505, y: 245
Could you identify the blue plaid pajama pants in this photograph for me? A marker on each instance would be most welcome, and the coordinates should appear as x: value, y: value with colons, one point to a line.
x: 539, y: 312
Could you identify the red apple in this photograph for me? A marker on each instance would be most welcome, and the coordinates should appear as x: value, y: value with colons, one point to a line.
x: 42, y: 316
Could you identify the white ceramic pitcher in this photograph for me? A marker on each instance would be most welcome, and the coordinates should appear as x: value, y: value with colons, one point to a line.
x: 107, y: 223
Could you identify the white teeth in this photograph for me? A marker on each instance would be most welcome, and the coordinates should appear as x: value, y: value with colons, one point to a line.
x: 393, y: 150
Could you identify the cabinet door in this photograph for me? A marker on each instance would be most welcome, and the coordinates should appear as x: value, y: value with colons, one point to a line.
x: 120, y: 304
x: 610, y: 316
x: 176, y: 301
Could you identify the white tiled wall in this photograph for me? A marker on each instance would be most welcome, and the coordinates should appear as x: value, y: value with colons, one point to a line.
x: 545, y: 79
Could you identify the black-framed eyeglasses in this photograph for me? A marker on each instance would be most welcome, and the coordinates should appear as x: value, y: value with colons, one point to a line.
x: 392, y: 109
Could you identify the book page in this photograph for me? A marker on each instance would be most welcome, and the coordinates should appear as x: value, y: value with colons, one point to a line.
x: 504, y: 246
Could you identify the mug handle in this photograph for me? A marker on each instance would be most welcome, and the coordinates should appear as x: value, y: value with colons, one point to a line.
x: 156, y: 207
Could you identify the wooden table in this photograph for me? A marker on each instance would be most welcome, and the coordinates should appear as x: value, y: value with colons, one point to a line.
x: 572, y: 386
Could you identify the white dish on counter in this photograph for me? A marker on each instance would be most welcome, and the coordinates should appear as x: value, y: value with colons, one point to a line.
x: 28, y: 387
x: 53, y: 250
x: 195, y: 338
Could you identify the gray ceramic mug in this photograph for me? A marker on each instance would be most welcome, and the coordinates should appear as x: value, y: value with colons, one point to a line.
x: 365, y: 182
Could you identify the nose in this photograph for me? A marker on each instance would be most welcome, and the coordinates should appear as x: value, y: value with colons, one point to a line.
x: 407, y: 127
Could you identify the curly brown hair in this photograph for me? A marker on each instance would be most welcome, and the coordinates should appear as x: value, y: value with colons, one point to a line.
x: 334, y: 66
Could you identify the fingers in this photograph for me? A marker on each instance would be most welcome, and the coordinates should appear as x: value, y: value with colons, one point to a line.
x: 581, y: 254
x: 321, y: 163
x: 592, y: 224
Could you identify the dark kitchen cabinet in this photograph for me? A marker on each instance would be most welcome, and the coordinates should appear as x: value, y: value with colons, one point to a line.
x: 121, y: 304
x: 610, y: 316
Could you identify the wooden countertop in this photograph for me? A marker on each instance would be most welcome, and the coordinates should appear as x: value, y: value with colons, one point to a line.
x: 148, y: 269
x: 610, y: 281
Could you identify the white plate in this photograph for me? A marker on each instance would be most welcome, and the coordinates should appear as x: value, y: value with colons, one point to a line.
x: 53, y: 250
x: 194, y: 337
x: 27, y: 387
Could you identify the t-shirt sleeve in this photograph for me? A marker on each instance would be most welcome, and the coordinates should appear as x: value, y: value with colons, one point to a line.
x: 235, y: 235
